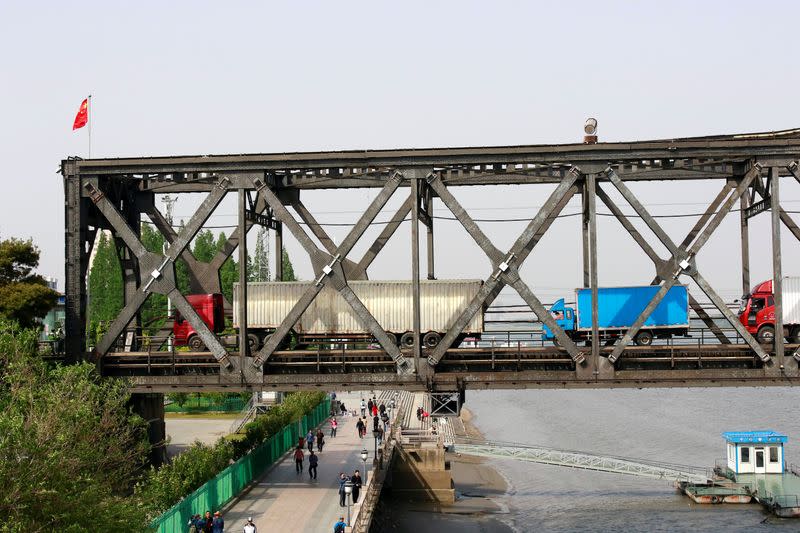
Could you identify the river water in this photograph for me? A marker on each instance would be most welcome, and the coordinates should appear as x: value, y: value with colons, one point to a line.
x: 673, y: 425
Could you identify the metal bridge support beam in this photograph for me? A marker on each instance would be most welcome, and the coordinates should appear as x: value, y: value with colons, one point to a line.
x: 591, y: 204
x: 77, y: 248
x: 161, y: 269
x: 504, y: 266
x: 351, y: 269
x: 388, y: 230
x: 279, y: 252
x: 683, y: 261
x: 429, y: 227
x: 328, y: 270
x: 777, y: 269
x: 585, y: 222
x: 414, y: 176
x: 744, y: 229
x: 244, y: 345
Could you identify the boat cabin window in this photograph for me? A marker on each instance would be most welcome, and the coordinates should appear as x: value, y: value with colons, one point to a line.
x: 745, y: 455
x: 773, y: 454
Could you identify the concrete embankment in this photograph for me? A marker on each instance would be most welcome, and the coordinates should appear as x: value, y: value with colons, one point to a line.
x: 475, y: 509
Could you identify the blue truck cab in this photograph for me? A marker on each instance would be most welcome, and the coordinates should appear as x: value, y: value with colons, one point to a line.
x: 564, y: 317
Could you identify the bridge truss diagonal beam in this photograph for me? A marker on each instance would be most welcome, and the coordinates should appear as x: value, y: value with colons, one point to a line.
x: 683, y: 259
x: 328, y: 271
x: 505, y: 267
x: 586, y: 461
x: 160, y: 269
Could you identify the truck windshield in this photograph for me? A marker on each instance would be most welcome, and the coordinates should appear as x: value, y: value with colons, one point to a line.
x: 743, y: 303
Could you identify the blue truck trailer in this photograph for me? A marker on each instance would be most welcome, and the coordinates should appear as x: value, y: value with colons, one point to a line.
x: 617, y: 310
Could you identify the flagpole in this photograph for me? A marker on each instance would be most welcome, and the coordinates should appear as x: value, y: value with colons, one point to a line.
x: 89, y: 120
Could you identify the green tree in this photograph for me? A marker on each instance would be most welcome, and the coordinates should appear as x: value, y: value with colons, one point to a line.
x: 258, y: 263
x: 24, y: 295
x: 288, y: 269
x: 70, y: 449
x: 154, y: 310
x: 204, y: 246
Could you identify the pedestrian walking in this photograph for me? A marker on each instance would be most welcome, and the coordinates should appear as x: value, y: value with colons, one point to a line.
x: 375, y: 423
x: 385, y: 420
x: 298, y: 459
x: 310, y: 440
x: 320, y: 440
x: 381, y: 408
x: 356, y: 480
x: 360, y: 428
x: 342, y: 408
x: 342, y: 494
x: 250, y: 527
x: 218, y: 525
x: 313, y: 459
x: 340, y: 526
x: 208, y: 523
x: 374, y: 410
x: 370, y: 405
x: 334, y: 427
x: 419, y: 413
x: 193, y: 523
x: 363, y: 407
x: 379, y: 433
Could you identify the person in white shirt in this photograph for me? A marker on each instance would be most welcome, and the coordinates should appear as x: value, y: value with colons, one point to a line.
x: 250, y: 527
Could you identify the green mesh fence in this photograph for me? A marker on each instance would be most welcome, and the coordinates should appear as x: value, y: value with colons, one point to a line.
x: 231, y: 481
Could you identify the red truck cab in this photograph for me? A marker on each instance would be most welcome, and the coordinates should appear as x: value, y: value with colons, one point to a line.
x: 211, y: 310
x: 757, y: 312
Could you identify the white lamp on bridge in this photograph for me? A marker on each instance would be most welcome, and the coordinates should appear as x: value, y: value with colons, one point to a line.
x: 590, y: 128
x: 364, y: 455
x: 348, y: 490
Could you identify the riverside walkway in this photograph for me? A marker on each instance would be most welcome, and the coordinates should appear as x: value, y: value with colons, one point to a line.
x: 282, y: 500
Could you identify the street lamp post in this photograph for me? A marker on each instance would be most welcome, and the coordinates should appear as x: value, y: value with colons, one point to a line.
x: 348, y: 490
x: 375, y: 434
x: 364, y: 455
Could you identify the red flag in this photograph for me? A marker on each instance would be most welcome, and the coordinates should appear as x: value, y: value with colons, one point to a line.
x: 83, y: 115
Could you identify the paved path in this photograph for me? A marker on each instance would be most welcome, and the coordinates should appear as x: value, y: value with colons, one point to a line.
x: 283, y: 500
x: 184, y: 431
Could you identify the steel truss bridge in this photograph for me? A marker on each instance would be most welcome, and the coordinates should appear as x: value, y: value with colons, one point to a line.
x: 114, y: 194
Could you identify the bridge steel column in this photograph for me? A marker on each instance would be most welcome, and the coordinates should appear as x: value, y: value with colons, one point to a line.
x: 415, y: 291
x: 244, y: 343
x: 777, y: 269
x: 591, y: 204
x: 744, y: 229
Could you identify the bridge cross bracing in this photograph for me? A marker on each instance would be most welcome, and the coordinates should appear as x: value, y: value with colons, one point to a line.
x: 113, y: 194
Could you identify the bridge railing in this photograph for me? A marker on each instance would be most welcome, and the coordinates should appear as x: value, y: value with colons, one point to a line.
x: 220, y: 490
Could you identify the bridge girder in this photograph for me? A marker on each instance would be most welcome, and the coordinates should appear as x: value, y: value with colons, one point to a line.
x: 110, y: 194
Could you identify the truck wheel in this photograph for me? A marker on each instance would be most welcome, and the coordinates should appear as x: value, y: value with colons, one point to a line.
x: 407, y: 340
x: 644, y: 338
x: 431, y: 339
x: 766, y: 335
x: 253, y: 342
x: 197, y: 344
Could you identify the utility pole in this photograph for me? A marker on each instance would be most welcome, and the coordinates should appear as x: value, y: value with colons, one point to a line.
x: 169, y: 203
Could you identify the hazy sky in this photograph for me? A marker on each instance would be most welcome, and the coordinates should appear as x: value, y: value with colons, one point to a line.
x: 173, y: 78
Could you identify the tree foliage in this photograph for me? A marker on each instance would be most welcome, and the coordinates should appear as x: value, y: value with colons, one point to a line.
x: 24, y: 295
x: 70, y: 449
x: 288, y: 269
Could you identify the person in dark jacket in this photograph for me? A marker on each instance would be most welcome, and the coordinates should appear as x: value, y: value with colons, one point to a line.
x: 218, y: 525
x: 360, y: 428
x: 356, y: 479
x: 313, y: 460
x: 320, y: 439
x: 208, y: 523
x: 298, y: 459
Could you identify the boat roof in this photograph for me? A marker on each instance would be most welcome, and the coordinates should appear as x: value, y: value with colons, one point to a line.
x: 766, y: 436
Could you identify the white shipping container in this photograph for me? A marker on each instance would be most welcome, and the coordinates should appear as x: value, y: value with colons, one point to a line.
x: 791, y: 300
x: 390, y: 302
